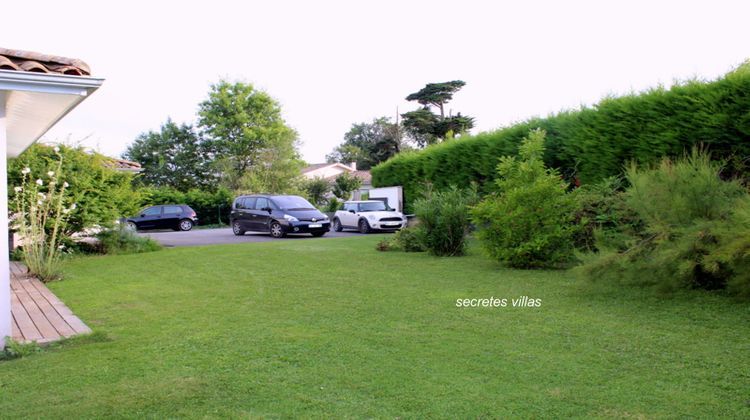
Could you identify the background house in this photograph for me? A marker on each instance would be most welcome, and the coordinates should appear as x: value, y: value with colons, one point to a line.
x: 330, y: 171
x: 123, y: 165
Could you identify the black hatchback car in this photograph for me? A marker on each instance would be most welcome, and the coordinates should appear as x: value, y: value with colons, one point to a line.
x: 170, y: 216
x: 277, y: 215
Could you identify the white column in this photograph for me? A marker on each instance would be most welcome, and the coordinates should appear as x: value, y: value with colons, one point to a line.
x: 5, y: 316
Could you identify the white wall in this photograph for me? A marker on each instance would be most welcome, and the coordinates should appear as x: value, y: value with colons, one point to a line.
x: 394, y: 196
x: 5, y: 316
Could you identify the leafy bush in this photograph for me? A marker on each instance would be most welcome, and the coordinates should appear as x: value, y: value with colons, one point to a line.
x: 444, y: 220
x: 595, y: 143
x: 345, y: 184
x: 121, y: 240
x: 528, y: 222
x: 411, y: 239
x: 212, y: 207
x: 332, y: 206
x: 316, y: 189
x: 101, y: 193
x: 602, y: 211
x: 695, y: 233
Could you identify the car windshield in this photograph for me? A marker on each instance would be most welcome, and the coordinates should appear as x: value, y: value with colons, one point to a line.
x: 293, y: 202
x: 373, y: 206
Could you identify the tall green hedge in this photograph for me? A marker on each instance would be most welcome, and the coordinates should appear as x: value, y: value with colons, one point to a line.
x: 595, y: 142
x: 101, y: 194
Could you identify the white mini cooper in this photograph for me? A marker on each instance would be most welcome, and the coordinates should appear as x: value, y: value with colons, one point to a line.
x: 366, y: 216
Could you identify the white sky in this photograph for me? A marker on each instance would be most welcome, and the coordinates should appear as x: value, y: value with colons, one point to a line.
x: 331, y: 64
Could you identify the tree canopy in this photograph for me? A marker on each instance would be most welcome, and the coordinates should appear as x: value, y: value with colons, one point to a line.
x: 437, y: 94
x: 345, y: 184
x: 426, y: 127
x: 254, y: 148
x: 176, y: 156
x: 368, y: 144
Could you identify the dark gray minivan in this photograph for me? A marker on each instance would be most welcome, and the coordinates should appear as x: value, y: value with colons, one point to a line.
x: 278, y: 215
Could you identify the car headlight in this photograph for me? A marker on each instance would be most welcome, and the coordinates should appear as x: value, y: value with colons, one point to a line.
x: 325, y: 217
x: 290, y: 218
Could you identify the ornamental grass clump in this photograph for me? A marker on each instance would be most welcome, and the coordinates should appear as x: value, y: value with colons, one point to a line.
x: 41, y: 211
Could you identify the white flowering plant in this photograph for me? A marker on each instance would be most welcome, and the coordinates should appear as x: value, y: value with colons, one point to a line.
x: 42, y: 208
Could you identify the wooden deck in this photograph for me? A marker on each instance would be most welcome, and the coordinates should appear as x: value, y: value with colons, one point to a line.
x: 38, y: 315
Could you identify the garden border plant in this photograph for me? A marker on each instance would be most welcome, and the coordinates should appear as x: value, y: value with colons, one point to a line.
x: 40, y: 218
x: 528, y: 222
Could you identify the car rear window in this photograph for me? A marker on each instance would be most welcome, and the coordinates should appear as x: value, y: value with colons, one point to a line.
x: 152, y: 211
x: 172, y: 210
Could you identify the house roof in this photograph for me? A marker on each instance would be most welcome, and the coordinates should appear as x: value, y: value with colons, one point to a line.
x: 123, y: 165
x: 36, y: 91
x: 315, y: 166
x: 365, y: 176
x: 34, y: 62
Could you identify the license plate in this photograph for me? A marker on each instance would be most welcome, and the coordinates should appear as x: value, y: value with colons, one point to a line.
x: 314, y: 225
x: 391, y: 223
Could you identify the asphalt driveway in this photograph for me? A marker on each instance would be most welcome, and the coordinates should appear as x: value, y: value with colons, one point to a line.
x: 197, y: 237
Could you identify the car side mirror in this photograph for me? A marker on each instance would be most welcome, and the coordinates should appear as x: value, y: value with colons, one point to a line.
x: 143, y: 214
x: 268, y: 209
x: 351, y: 211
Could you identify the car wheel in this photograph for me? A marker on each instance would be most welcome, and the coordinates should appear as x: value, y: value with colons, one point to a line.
x: 132, y: 226
x: 364, y: 227
x: 276, y: 230
x: 237, y: 229
x: 186, y: 225
x: 337, y: 225
x: 317, y: 234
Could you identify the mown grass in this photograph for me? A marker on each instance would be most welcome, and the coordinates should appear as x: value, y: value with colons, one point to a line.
x: 332, y: 328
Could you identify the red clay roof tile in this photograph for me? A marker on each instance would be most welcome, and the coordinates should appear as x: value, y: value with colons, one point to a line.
x: 19, y: 60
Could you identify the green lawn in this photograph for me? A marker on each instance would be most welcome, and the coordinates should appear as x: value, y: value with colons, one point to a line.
x: 333, y: 328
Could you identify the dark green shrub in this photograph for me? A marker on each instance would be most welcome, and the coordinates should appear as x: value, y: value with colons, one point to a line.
x: 316, y: 190
x: 444, y: 220
x: 601, y: 211
x: 529, y: 221
x: 122, y: 240
x: 695, y: 232
x: 332, y: 206
x: 595, y: 142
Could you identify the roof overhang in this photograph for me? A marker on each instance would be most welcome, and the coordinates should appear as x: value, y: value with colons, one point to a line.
x: 34, y: 102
